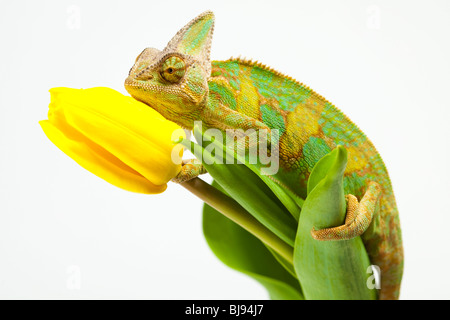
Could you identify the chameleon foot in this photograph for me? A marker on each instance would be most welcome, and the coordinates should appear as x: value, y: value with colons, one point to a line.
x: 189, y: 170
x: 358, y: 218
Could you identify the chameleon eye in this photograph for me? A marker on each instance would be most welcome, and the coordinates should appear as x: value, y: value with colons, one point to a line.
x: 173, y: 69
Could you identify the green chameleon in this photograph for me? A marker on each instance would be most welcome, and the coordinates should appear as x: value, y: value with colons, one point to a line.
x: 184, y: 85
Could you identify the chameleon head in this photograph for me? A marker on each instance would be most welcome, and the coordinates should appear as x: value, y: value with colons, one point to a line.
x: 174, y: 81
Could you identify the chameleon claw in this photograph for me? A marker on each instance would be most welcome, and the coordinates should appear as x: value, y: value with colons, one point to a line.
x: 190, y: 169
x: 358, y: 218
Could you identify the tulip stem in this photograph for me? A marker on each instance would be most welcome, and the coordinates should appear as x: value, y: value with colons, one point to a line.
x: 235, y: 212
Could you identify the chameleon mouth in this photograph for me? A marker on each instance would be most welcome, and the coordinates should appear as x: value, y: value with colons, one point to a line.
x: 131, y: 83
x: 140, y: 91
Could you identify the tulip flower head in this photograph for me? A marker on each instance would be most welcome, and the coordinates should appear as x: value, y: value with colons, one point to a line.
x: 116, y: 137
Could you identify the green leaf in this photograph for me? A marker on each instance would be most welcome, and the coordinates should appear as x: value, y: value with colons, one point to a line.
x: 241, y: 251
x: 329, y: 269
x: 244, y: 186
x: 288, y: 198
x: 331, y: 165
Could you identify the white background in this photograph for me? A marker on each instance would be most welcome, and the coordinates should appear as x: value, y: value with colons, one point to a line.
x: 384, y: 63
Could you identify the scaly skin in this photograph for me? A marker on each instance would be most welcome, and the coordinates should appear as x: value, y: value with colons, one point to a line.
x: 185, y: 86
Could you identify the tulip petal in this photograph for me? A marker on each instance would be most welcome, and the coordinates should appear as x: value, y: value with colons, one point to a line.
x: 97, y: 160
x: 142, y: 137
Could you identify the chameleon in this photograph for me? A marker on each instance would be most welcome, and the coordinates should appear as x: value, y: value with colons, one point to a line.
x: 183, y: 84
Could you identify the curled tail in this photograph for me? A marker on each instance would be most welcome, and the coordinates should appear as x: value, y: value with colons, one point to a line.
x: 383, y: 242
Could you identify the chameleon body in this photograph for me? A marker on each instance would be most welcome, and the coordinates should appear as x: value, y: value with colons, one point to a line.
x: 184, y: 85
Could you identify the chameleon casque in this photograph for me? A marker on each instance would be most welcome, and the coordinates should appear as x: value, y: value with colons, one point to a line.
x: 184, y: 85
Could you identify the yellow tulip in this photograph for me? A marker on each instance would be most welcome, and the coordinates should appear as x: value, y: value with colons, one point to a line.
x: 116, y: 137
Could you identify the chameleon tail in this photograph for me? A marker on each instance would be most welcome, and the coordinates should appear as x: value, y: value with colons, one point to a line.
x: 358, y: 218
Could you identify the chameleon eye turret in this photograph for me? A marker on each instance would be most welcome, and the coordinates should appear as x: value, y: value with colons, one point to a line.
x: 173, y: 69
